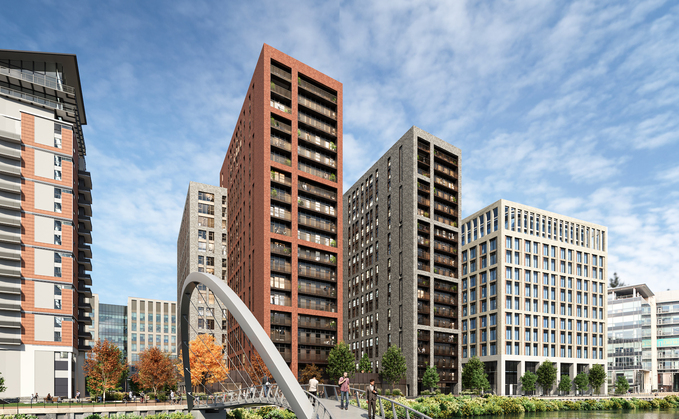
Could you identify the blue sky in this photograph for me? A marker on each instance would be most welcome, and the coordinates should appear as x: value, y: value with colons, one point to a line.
x: 567, y: 106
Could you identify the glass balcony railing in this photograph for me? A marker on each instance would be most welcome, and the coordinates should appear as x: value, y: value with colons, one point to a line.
x: 35, y: 78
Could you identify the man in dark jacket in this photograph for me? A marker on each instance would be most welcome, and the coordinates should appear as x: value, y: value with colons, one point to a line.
x: 372, y: 398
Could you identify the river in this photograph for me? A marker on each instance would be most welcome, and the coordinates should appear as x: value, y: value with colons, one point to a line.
x: 606, y: 414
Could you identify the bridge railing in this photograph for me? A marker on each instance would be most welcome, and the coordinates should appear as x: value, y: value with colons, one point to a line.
x: 386, y: 407
x: 243, y: 396
x: 320, y: 412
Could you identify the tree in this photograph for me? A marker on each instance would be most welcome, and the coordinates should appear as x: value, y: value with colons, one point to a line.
x: 528, y: 381
x: 393, y: 365
x: 310, y: 371
x: 431, y: 378
x: 257, y: 368
x: 206, y: 361
x: 615, y: 282
x: 582, y: 382
x: 546, y: 376
x: 364, y: 364
x: 621, y: 385
x: 565, y: 384
x: 2, y: 384
x: 104, y: 367
x: 155, y: 370
x: 340, y: 360
x: 473, y: 375
x: 597, y: 377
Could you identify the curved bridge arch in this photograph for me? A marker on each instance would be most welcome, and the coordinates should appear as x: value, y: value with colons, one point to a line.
x: 287, y: 382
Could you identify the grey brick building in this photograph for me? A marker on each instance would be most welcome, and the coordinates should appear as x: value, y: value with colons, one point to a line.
x: 201, y: 247
x: 405, y: 292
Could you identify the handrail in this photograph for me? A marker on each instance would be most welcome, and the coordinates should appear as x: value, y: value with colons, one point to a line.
x: 382, y: 402
x: 41, y: 79
x: 318, y: 407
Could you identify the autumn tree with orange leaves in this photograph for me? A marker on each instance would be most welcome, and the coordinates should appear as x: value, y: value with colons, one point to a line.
x: 256, y: 368
x: 155, y: 369
x: 206, y: 361
x: 104, y: 367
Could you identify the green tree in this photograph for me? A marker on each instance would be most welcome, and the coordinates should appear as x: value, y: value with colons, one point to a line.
x: 364, y: 364
x: 340, y: 360
x: 528, y: 382
x: 582, y: 382
x: 473, y: 375
x: 621, y: 385
x: 597, y: 377
x: 615, y: 282
x: 546, y: 376
x: 103, y: 368
x: 393, y: 365
x: 565, y: 384
x: 431, y: 378
x: 2, y: 384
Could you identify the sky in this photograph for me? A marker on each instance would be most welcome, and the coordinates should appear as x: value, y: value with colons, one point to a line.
x: 568, y: 106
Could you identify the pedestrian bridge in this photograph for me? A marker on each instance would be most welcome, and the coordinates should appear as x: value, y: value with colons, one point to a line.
x: 238, y: 389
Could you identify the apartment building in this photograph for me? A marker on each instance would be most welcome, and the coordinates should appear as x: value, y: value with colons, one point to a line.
x: 283, y: 170
x: 667, y: 313
x: 201, y: 247
x: 632, y: 343
x: 45, y: 210
x: 533, y: 288
x: 405, y: 293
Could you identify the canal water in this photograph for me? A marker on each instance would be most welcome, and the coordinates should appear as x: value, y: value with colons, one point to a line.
x: 597, y: 414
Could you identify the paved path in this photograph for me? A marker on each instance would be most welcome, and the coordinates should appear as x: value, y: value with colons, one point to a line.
x: 333, y: 407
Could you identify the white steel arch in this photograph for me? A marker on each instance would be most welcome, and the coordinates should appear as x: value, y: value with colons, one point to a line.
x: 295, y: 396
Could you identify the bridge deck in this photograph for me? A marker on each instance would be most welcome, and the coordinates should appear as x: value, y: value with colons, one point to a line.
x: 333, y: 406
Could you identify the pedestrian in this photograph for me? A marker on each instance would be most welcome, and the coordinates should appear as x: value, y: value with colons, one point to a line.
x: 130, y: 395
x: 77, y: 396
x: 171, y: 396
x: 266, y: 384
x: 344, y: 390
x: 372, y: 397
x: 49, y: 397
x: 313, y: 388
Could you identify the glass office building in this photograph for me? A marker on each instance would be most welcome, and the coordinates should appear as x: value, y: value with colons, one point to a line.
x: 113, y: 325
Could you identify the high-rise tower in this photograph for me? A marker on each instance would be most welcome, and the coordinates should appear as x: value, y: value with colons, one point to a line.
x: 283, y: 171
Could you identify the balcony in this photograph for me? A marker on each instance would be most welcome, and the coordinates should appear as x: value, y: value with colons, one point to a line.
x: 278, y: 337
x: 423, y: 201
x: 422, y: 282
x: 84, y: 335
x: 444, y: 234
x: 444, y: 195
x: 443, y: 247
x: 281, y: 178
x: 280, y: 90
x: 278, y: 284
x: 423, y: 320
x: 423, y: 335
x: 423, y: 187
x: 444, y: 323
x: 314, y: 273
x: 315, y: 206
x: 423, y: 159
x: 83, y: 290
x: 316, y: 140
x: 317, y: 257
x: 317, y: 124
x: 281, y: 320
x: 422, y: 241
x: 280, y: 213
x: 438, y: 270
x: 279, y: 158
x: 316, y: 156
x: 284, y: 74
x: 444, y: 299
x: 281, y: 126
x: 421, y: 254
x: 423, y: 350
x: 445, y: 260
x: 317, y: 191
x: 85, y: 233
x: 446, y: 158
x: 280, y: 299
x: 35, y: 78
x: 316, y: 171
x: 445, y: 338
x: 422, y: 228
x: 442, y: 182
x: 317, y: 90
x: 281, y: 267
x: 280, y: 249
x: 423, y: 308
x: 316, y: 106
x: 278, y: 228
x: 308, y: 340
x: 281, y: 196
x: 423, y: 266
x: 445, y: 208
x: 281, y: 143
x: 445, y: 286
x: 444, y: 170
x: 422, y: 172
x: 86, y: 178
x: 85, y: 277
x: 445, y: 220
x: 317, y: 305
x: 423, y: 147
x: 316, y: 289
x: 303, y: 356
x: 319, y: 323
x: 444, y: 312
x: 85, y: 307
x: 444, y: 351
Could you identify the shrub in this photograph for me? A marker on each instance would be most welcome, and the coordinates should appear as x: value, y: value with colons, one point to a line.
x: 425, y: 393
x: 387, y: 392
x: 397, y: 392
x: 92, y: 416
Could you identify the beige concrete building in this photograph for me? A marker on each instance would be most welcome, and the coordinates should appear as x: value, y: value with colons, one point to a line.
x: 533, y: 288
x: 151, y: 323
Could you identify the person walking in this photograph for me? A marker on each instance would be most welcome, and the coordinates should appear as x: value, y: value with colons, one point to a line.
x: 344, y: 391
x: 77, y: 396
x: 266, y: 384
x: 372, y: 397
x: 171, y: 396
x: 313, y: 388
